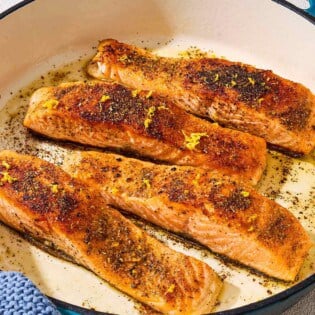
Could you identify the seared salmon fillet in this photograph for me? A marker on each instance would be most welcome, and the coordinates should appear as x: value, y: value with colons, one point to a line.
x: 232, y: 93
x: 40, y: 199
x: 226, y: 215
x: 106, y: 114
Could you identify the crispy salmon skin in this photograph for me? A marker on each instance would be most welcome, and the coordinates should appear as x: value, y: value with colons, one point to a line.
x: 107, y: 114
x: 224, y: 214
x: 40, y: 199
x: 234, y: 94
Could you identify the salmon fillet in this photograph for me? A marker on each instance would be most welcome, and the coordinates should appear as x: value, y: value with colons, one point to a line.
x: 226, y: 215
x: 106, y: 114
x: 39, y: 199
x: 232, y: 93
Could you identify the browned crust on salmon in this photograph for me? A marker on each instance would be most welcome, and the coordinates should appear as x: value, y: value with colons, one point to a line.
x: 40, y: 199
x: 226, y: 215
x: 110, y: 115
x: 234, y: 94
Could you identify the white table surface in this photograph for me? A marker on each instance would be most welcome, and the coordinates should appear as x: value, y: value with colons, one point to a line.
x: 305, y: 306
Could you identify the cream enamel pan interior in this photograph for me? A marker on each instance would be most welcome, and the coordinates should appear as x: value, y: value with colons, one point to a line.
x: 43, y: 36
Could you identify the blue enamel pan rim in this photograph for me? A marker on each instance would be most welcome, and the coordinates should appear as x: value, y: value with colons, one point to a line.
x: 253, y: 307
x: 70, y: 309
x: 308, y: 14
x: 15, y: 7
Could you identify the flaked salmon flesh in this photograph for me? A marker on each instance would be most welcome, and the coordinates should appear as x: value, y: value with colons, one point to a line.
x: 220, y: 212
x: 234, y: 94
x: 105, y: 114
x: 41, y: 200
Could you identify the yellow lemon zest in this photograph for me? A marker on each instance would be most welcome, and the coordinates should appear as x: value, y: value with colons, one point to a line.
x: 54, y: 188
x: 245, y: 193
x: 252, y: 218
x: 260, y: 100
x: 171, y: 288
x: 251, y: 229
x: 196, y: 180
x: 123, y: 58
x: 251, y: 81
x: 146, y: 182
x: 6, y: 165
x: 104, y: 98
x: 134, y: 93
x: 7, y: 178
x: 163, y: 107
x: 149, y: 94
x: 193, y: 139
x: 216, y: 77
x: 233, y: 83
x: 149, y: 117
x: 51, y: 104
x: 114, y: 190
